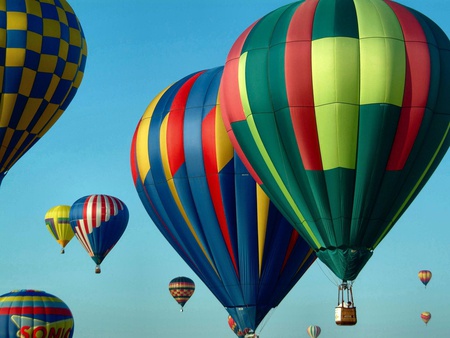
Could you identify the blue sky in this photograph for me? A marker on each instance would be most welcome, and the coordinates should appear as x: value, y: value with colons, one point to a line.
x: 135, y: 49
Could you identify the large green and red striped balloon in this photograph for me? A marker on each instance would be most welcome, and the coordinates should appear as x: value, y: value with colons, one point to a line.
x: 341, y: 111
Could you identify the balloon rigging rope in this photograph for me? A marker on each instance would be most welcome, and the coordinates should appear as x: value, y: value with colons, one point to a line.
x: 334, y: 281
x: 265, y: 320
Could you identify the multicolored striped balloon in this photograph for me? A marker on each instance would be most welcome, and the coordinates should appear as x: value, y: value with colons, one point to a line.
x: 425, y: 316
x: 181, y: 289
x: 57, y: 223
x: 43, y: 56
x: 340, y: 110
x: 98, y: 222
x: 425, y: 276
x: 32, y: 313
x: 208, y: 207
x: 313, y: 331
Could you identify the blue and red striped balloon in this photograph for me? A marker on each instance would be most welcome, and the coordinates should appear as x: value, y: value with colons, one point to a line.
x: 98, y: 222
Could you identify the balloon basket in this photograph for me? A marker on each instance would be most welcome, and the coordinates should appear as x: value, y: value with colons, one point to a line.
x: 345, y: 312
x: 97, y: 269
x: 345, y: 316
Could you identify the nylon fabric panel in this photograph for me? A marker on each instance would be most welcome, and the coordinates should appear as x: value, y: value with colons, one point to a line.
x: 383, y: 64
x: 299, y: 89
x: 377, y: 129
x: 337, y: 126
x: 335, y: 71
x: 335, y: 18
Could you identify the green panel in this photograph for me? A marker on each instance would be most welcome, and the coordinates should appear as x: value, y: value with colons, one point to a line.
x: 335, y: 70
x: 383, y: 67
x: 335, y: 18
x: 377, y: 130
x: 340, y: 188
x: 275, y: 173
x: 337, y: 126
x: 431, y: 146
x: 383, y: 24
x: 345, y: 263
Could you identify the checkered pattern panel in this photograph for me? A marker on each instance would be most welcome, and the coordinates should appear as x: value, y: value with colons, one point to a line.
x: 42, y: 59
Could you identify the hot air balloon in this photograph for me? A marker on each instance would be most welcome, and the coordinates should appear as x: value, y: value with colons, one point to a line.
x: 426, y: 316
x: 235, y: 328
x: 340, y: 110
x: 208, y: 207
x: 43, y: 59
x: 425, y: 276
x: 181, y: 289
x: 57, y: 222
x: 98, y: 222
x: 313, y: 331
x: 33, y: 313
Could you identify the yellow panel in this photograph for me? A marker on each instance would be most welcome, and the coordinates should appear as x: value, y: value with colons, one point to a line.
x: 263, y: 213
x: 47, y: 63
x: 75, y: 37
x: 34, y: 7
x: 17, y: 146
x: 63, y: 49
x: 26, y: 84
x: 376, y: 19
x: 52, y: 121
x: 77, y: 81
x: 382, y: 71
x: 52, y: 28
x: 337, y: 126
x: 45, y: 117
x: 52, y: 88
x: 15, y: 57
x: 16, y: 21
x: 142, y: 158
x: 34, y: 42
x: 7, y: 105
x: 3, y: 6
x: 3, y: 37
x: 62, y: 16
x: 28, y: 113
x: 335, y: 70
x: 224, y: 148
x: 70, y: 71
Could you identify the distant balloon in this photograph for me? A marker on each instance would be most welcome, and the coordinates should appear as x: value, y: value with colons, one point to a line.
x: 42, y: 64
x: 32, y: 313
x: 57, y: 222
x: 235, y: 327
x: 425, y: 276
x: 313, y: 331
x: 98, y: 222
x: 426, y: 316
x: 208, y: 207
x: 181, y: 289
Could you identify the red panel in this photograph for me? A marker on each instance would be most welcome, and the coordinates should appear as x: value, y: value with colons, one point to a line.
x: 212, y: 176
x: 175, y: 149
x: 416, y: 87
x: 299, y: 88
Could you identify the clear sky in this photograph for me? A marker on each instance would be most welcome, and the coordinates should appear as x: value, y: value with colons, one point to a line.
x: 135, y: 49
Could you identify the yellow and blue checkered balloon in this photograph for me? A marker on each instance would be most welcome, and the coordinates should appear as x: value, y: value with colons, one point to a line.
x: 42, y: 59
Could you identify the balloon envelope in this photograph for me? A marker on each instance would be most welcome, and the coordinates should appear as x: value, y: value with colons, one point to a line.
x: 235, y: 328
x: 313, y: 331
x: 57, y: 223
x: 426, y: 316
x: 32, y: 313
x: 181, y: 289
x: 98, y: 222
x: 425, y: 276
x: 205, y: 203
x: 340, y: 110
x: 43, y: 59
